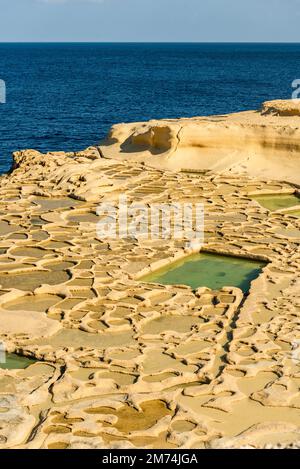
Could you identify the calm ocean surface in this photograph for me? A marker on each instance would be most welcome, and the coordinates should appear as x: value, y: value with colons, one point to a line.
x: 66, y: 96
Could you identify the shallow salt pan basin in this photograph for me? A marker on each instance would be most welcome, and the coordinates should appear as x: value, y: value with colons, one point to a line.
x: 32, y: 280
x: 277, y: 202
x: 209, y: 270
x: 84, y: 217
x: 55, y: 203
x: 15, y: 362
x: 32, y: 303
x: 76, y: 339
x: 35, y: 278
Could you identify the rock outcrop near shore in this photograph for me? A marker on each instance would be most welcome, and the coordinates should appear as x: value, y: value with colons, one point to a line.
x: 281, y: 107
x: 263, y: 143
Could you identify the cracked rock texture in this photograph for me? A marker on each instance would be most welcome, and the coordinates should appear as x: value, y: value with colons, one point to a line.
x: 121, y: 363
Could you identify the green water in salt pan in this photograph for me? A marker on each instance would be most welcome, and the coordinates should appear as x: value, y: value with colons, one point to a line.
x: 295, y: 213
x: 277, y: 202
x: 16, y: 362
x: 209, y: 270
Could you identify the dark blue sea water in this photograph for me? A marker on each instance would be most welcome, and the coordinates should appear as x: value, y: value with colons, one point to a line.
x: 66, y: 96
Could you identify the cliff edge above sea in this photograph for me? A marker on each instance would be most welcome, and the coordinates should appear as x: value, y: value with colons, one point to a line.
x: 263, y: 143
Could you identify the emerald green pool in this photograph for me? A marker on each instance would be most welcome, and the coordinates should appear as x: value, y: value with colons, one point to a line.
x: 209, y: 270
x: 277, y: 202
x: 16, y: 362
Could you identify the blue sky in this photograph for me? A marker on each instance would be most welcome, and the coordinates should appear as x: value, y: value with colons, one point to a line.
x: 150, y: 20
